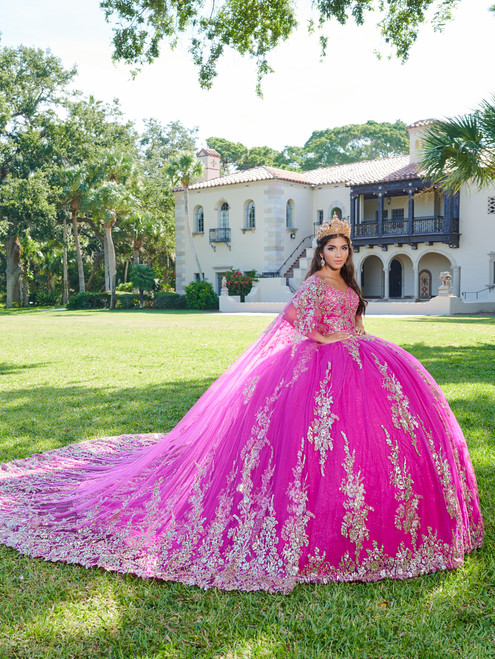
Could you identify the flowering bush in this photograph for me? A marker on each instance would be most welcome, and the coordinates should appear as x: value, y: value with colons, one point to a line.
x: 240, y: 284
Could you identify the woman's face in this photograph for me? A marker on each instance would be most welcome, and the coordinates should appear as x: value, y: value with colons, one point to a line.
x: 335, y: 253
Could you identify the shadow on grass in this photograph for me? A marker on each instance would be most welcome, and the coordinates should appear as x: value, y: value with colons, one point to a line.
x: 7, y: 369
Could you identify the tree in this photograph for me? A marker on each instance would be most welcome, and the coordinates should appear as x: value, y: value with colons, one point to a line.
x: 183, y: 170
x: 110, y: 198
x: 255, y: 27
x: 32, y: 83
x: 142, y: 278
x: 462, y: 149
x: 354, y: 142
x: 233, y: 153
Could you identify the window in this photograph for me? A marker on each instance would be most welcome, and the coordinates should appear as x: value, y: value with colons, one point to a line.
x: 289, y: 214
x: 224, y: 215
x: 250, y: 216
x: 397, y: 213
x: 319, y: 217
x: 199, y: 220
x: 491, y: 205
x: 385, y: 215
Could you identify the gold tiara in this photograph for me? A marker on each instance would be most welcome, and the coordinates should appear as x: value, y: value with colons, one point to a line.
x: 333, y: 227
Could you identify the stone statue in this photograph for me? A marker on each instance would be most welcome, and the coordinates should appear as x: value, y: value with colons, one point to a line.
x: 446, y: 278
x: 224, y: 290
x: 446, y: 287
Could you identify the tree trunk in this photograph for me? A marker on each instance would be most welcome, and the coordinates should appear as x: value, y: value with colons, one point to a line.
x: 125, y: 271
x: 112, y: 265
x: 14, y: 271
x: 65, y: 285
x: 107, y: 268
x: 24, y: 290
x: 189, y: 231
x: 96, y: 263
x: 80, y: 268
x: 138, y: 243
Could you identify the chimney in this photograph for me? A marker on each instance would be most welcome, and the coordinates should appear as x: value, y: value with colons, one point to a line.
x: 211, y: 163
x: 416, y: 131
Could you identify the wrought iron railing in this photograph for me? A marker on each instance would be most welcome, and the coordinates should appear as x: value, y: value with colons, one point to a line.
x: 220, y: 235
x: 428, y: 224
x: 366, y: 230
x: 420, y: 226
x: 395, y: 227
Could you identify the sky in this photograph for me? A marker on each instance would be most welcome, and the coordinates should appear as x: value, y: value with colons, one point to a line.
x: 447, y: 74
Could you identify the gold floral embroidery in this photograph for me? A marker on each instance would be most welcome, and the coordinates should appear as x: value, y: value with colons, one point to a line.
x: 352, y: 346
x: 319, y: 430
x: 294, y: 529
x: 402, y: 416
x: 406, y: 517
x: 354, y: 522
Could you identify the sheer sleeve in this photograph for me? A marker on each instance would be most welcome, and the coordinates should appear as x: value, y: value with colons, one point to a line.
x: 304, y: 310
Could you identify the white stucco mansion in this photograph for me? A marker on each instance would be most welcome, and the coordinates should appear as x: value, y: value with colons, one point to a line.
x: 404, y: 232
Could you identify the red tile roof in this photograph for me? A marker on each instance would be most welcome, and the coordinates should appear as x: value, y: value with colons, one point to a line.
x: 358, y: 173
x: 208, y: 152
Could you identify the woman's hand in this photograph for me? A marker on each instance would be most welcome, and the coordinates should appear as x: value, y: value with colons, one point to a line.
x: 359, y: 327
x: 334, y: 337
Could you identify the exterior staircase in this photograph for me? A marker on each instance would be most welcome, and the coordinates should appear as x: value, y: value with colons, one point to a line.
x: 296, y: 273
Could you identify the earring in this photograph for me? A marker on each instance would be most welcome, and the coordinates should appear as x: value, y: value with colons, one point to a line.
x: 322, y: 261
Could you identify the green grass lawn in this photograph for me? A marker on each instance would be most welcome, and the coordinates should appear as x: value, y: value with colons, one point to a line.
x: 70, y: 376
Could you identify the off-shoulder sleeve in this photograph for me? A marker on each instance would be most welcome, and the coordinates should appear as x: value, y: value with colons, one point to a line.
x: 304, y: 310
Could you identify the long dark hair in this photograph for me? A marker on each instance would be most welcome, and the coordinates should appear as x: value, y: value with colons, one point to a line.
x: 347, y: 271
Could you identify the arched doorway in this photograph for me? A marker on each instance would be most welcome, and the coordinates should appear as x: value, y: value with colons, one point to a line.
x: 372, y: 277
x: 433, y: 263
x: 424, y: 285
x: 395, y: 279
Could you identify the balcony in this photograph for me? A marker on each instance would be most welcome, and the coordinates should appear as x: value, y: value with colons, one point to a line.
x: 420, y: 229
x: 220, y: 235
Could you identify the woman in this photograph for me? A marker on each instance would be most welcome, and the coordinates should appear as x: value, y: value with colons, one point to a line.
x: 322, y: 454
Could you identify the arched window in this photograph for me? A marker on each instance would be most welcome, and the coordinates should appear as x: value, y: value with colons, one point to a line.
x: 224, y: 215
x: 338, y: 211
x: 199, y: 220
x: 289, y: 214
x: 250, y: 216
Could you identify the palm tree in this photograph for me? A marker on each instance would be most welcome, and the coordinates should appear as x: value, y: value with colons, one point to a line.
x: 74, y: 186
x: 183, y: 170
x: 110, y: 198
x: 462, y: 149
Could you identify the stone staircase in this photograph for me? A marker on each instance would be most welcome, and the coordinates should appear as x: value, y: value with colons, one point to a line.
x: 296, y: 273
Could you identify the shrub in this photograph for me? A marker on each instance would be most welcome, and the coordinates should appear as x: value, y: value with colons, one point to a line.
x: 47, y: 298
x: 167, y: 300
x: 128, y: 301
x: 240, y: 284
x: 89, y: 301
x: 127, y: 287
x: 143, y: 278
x: 200, y: 295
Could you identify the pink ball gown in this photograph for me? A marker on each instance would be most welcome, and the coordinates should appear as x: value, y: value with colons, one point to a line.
x: 302, y: 463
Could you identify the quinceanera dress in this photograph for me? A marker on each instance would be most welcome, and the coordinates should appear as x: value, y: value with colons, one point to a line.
x: 302, y: 463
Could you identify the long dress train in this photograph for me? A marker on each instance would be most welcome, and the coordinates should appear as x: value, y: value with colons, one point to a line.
x: 303, y: 462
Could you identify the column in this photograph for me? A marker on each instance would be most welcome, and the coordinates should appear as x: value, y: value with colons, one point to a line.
x: 358, y: 209
x: 416, y: 281
x: 353, y: 214
x: 410, y: 212
x: 380, y: 213
x: 456, y: 280
x: 447, y: 212
x: 386, y: 282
